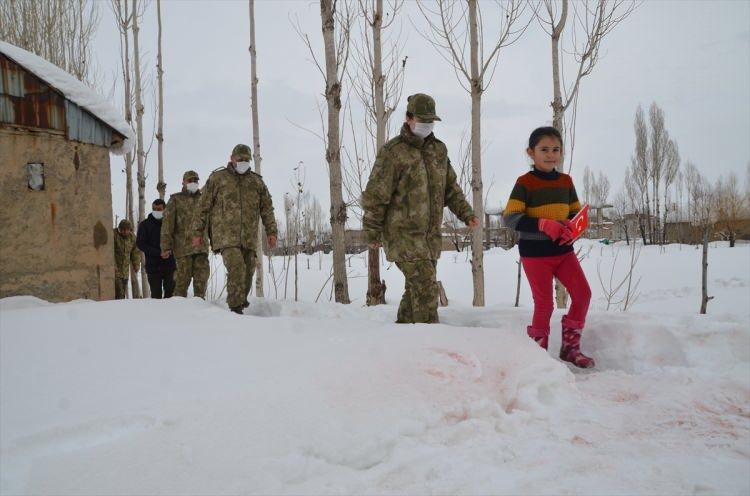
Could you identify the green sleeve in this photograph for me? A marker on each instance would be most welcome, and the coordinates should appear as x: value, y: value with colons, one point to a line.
x: 200, y: 217
x: 168, y: 225
x: 135, y: 257
x: 377, y: 196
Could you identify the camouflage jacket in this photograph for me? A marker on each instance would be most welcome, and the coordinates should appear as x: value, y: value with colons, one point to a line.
x: 410, y: 184
x: 232, y: 204
x: 126, y: 254
x: 178, y: 220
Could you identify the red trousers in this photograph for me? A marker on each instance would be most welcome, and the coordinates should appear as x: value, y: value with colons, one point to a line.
x: 540, y: 272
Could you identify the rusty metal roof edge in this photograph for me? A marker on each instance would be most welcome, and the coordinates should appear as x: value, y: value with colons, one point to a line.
x: 62, y: 94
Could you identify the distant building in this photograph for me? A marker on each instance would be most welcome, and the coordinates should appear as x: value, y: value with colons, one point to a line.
x: 55, y: 194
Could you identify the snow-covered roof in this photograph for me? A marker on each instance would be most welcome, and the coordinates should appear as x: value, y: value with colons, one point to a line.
x: 74, y: 90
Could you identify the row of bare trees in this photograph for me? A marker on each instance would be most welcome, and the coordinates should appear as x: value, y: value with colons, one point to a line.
x: 59, y: 31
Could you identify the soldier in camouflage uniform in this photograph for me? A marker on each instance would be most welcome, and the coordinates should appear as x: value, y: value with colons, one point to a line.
x: 233, y: 201
x: 410, y: 184
x: 192, y: 261
x: 126, y: 255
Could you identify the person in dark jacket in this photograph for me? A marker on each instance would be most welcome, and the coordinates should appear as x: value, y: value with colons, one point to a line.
x: 160, y: 268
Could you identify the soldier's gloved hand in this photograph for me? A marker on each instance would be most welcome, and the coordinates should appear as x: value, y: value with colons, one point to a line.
x: 197, y: 241
x: 474, y: 223
x: 166, y: 254
x: 272, y: 241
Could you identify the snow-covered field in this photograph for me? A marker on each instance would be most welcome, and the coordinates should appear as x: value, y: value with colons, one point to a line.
x: 182, y: 397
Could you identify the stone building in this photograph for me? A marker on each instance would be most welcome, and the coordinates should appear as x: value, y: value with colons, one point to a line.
x: 56, y: 136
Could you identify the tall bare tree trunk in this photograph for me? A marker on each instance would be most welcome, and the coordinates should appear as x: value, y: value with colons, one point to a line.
x: 256, y: 139
x: 121, y: 8
x: 477, y: 245
x: 375, y: 286
x: 161, y: 186
x: 704, y: 273
x: 558, y: 114
x: 558, y: 118
x: 140, y: 153
x: 333, y: 152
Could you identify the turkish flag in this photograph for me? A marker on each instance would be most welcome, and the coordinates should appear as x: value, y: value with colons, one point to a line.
x: 580, y: 222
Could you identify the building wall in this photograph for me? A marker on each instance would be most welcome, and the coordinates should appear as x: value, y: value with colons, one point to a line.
x: 55, y: 244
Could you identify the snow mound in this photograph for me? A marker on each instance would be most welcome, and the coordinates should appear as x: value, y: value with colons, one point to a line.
x: 181, y: 396
x: 74, y: 90
x: 22, y: 303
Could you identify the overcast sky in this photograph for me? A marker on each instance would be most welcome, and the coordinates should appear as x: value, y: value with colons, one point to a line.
x: 692, y: 58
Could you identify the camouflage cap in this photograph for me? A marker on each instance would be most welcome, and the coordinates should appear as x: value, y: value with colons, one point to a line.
x: 190, y: 175
x: 125, y: 224
x: 422, y: 107
x: 242, y: 151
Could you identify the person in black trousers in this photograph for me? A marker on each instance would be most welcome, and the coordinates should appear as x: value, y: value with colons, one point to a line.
x: 160, y: 269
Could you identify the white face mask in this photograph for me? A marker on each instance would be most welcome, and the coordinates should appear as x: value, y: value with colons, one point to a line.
x: 192, y: 187
x: 242, y: 167
x: 158, y: 214
x: 422, y: 129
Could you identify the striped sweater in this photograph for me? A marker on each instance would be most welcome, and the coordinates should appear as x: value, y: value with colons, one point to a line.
x: 540, y: 195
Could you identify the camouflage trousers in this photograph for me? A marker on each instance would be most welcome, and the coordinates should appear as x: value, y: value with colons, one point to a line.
x: 420, y: 301
x: 195, y: 267
x: 121, y: 288
x: 240, y: 265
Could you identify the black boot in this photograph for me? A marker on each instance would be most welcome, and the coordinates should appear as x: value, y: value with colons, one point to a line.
x: 237, y: 310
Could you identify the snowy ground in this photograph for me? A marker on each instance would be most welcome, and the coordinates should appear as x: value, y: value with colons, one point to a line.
x: 183, y: 397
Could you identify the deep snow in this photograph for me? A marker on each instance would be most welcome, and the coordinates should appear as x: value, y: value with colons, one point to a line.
x: 183, y: 397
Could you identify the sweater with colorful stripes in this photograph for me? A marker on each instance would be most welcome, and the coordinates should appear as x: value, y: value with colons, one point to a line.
x: 540, y: 195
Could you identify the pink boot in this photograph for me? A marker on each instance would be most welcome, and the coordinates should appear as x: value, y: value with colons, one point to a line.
x: 570, y: 351
x: 541, y: 336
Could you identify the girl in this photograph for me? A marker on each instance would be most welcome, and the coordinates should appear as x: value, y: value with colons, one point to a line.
x: 540, y: 208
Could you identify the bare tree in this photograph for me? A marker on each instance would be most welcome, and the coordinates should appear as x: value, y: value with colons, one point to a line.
x: 453, y: 26
x: 592, y: 21
x: 728, y: 207
x: 621, y: 208
x: 137, y: 13
x: 60, y: 31
x: 658, y: 154
x: 671, y: 169
x: 256, y: 136
x: 702, y: 202
x: 336, y: 18
x: 622, y: 291
x: 124, y: 19
x: 161, y: 186
x: 587, y: 179
x: 641, y: 172
x: 379, y: 90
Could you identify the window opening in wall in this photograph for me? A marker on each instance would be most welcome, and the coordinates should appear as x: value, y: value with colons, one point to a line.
x: 35, y: 173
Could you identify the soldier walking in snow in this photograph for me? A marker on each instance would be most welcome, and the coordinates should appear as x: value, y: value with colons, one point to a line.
x: 410, y: 184
x: 126, y: 255
x: 234, y: 200
x: 192, y: 261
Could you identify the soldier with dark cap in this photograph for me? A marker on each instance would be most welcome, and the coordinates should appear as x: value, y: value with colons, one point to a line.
x: 410, y: 184
x: 126, y: 255
x: 176, y: 238
x: 233, y: 202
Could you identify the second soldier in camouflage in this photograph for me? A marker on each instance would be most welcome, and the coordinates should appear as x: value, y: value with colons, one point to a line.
x: 176, y: 237
x: 410, y: 184
x: 233, y: 202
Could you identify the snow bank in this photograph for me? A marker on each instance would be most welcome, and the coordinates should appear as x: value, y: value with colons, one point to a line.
x: 182, y: 397
x: 74, y: 90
